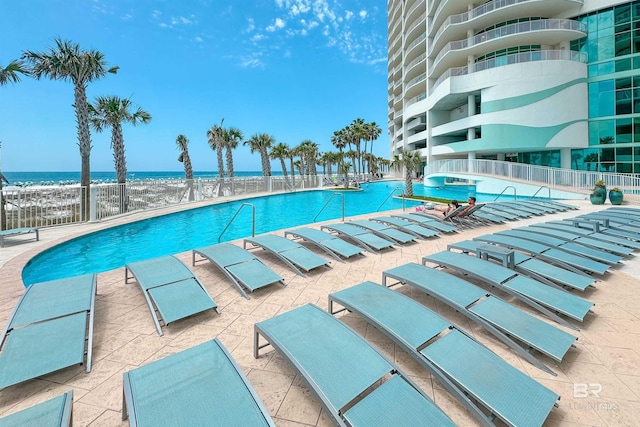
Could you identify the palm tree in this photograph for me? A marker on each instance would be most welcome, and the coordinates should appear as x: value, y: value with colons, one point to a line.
x: 66, y: 61
x: 112, y: 111
x: 280, y: 151
x: 183, y: 145
x: 372, y: 132
x: 232, y: 137
x: 215, y: 138
x: 338, y: 140
x: 9, y: 74
x: 262, y: 142
x: 358, y: 132
x: 410, y: 162
x: 345, y: 168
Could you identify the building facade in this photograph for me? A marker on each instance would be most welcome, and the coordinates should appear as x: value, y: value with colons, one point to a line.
x: 547, y: 82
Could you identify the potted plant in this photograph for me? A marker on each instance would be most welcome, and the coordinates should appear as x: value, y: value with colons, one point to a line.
x: 600, y: 188
x: 616, y: 196
x: 599, y: 194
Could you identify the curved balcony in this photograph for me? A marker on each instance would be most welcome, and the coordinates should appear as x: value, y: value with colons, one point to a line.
x: 421, y: 20
x: 544, y: 32
x: 415, y: 99
x: 455, y: 26
x: 516, y: 58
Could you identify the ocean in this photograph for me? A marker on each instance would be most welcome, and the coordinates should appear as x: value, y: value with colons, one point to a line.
x: 24, y: 179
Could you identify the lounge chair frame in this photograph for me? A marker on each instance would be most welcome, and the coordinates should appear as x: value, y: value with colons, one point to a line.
x: 16, y: 232
x: 455, y: 388
x: 153, y: 308
x: 202, y: 252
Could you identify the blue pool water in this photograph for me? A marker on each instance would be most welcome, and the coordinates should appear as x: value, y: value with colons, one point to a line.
x: 183, y: 231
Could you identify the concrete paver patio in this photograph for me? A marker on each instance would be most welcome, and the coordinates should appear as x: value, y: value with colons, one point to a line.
x: 599, y: 380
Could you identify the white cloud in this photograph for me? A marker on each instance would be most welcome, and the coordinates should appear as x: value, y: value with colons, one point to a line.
x: 251, y: 25
x: 277, y: 25
x: 156, y: 14
x: 348, y: 14
x: 126, y: 17
x: 363, y: 14
x: 198, y: 39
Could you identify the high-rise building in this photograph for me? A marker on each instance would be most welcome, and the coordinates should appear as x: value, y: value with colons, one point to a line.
x: 546, y: 82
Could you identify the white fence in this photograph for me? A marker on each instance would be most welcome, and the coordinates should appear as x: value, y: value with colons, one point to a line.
x: 59, y: 205
x: 565, y: 179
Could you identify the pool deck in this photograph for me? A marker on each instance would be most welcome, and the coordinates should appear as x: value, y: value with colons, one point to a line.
x: 607, y: 352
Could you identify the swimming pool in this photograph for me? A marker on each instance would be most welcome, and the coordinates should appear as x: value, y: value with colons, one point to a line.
x: 183, y: 231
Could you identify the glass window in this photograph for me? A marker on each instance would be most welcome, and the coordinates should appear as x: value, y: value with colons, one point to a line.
x: 606, y: 104
x: 623, y: 65
x: 636, y: 62
x: 635, y: 11
x: 623, y: 131
x: 636, y: 41
x: 605, y: 48
x: 605, y: 20
x: 624, y: 83
x: 636, y: 100
x: 623, y: 44
x: 636, y: 153
x: 623, y: 154
x: 622, y: 14
x: 605, y: 68
x: 606, y: 131
x: 624, y: 167
x: 636, y: 168
x: 594, y: 127
x: 636, y: 130
x: 623, y: 101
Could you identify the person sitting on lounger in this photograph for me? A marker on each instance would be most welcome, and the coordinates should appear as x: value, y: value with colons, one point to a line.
x: 442, y: 209
x: 472, y: 203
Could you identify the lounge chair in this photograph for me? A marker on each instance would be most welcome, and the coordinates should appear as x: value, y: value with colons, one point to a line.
x: 451, y: 216
x: 539, y: 270
x: 291, y: 253
x: 51, y: 328
x: 345, y: 373
x: 466, y: 368
x: 384, y: 231
x: 561, y: 206
x: 563, y: 233
x: 571, y: 247
x: 16, y: 232
x: 199, y: 386
x: 489, y: 208
x: 545, y: 299
x: 331, y: 244
x: 407, y: 226
x: 604, y: 225
x: 504, y: 321
x: 243, y: 268
x: 364, y: 238
x: 567, y: 260
x: 170, y: 288
x: 484, y: 217
x: 427, y: 220
x: 54, y: 412
x: 567, y: 227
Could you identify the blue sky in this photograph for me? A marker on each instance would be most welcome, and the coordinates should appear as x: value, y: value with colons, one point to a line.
x: 296, y: 69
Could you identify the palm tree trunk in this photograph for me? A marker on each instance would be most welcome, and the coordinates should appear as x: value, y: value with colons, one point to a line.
x: 3, y: 212
x: 408, y: 184
x: 188, y: 173
x: 293, y: 174
x: 84, y: 143
x: 220, y: 171
x: 230, y: 169
x: 117, y: 141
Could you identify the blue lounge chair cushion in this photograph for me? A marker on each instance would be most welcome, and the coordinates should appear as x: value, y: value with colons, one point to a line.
x: 54, y: 412
x: 41, y: 348
x: 533, y: 402
x: 55, y: 298
x: 180, y: 299
x: 200, y: 386
x: 538, y: 334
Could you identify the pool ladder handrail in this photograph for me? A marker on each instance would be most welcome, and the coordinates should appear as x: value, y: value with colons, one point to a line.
x: 389, y: 196
x: 253, y: 220
x: 515, y: 197
x: 538, y: 190
x: 327, y: 203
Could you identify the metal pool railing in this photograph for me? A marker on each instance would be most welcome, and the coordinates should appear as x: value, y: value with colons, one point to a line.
x: 42, y: 206
x: 563, y: 179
